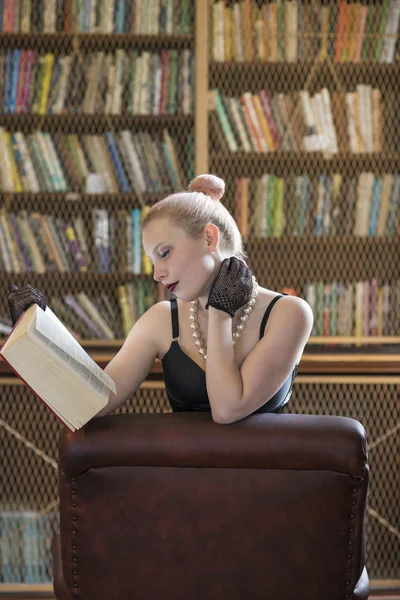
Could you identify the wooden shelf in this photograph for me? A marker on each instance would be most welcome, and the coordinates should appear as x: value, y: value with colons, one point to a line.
x: 374, y: 343
x: 353, y: 365
x: 295, y: 70
x: 370, y: 356
x: 382, y: 360
x: 27, y: 591
x: 88, y: 123
x: 346, y: 259
x: 245, y: 163
x: 87, y: 42
x: 292, y: 68
x: 69, y: 278
x: 53, y: 200
x: 379, y: 588
x: 290, y: 77
x: 334, y: 242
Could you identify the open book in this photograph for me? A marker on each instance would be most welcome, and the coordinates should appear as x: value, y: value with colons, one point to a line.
x: 43, y: 353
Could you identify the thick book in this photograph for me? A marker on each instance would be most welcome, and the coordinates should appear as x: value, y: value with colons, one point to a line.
x: 45, y: 355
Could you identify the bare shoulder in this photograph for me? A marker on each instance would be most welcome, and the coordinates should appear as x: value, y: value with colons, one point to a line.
x: 290, y: 322
x: 157, y: 322
x: 289, y: 310
x: 157, y: 316
x: 159, y: 310
x: 297, y: 305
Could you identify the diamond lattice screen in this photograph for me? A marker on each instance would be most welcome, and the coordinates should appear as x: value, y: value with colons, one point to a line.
x: 96, y: 124
x: 30, y: 480
x: 29, y: 483
x: 93, y: 129
x: 304, y: 129
x: 376, y: 406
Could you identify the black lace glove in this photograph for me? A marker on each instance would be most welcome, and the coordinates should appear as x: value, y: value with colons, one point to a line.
x: 232, y: 287
x: 20, y: 299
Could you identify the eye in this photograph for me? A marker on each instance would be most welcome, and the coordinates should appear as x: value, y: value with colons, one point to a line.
x: 165, y: 254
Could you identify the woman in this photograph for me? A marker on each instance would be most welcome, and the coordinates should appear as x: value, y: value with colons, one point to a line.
x: 227, y: 345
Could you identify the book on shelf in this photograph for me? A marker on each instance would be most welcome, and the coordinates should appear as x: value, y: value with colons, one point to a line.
x: 362, y: 308
x: 118, y: 83
x: 126, y: 162
x: 101, y: 17
x: 292, y: 31
x: 44, y: 354
x: 327, y: 205
x: 327, y: 122
x: 25, y: 545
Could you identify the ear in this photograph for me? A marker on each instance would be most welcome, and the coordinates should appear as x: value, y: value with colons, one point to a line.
x: 211, y: 236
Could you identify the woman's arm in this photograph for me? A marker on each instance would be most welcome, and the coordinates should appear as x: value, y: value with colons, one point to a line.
x: 131, y: 365
x: 236, y: 393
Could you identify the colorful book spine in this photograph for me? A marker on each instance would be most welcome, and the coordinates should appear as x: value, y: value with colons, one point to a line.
x: 76, y: 251
x: 146, y: 262
x: 116, y: 158
x: 136, y: 241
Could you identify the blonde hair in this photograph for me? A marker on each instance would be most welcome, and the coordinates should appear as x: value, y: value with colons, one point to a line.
x: 193, y: 209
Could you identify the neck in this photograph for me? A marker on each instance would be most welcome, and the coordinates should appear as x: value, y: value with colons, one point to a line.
x: 202, y: 304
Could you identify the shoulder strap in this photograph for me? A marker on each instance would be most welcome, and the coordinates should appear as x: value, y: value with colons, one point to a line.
x: 267, y: 313
x: 174, y: 317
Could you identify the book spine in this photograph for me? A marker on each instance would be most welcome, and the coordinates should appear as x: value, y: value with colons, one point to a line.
x: 76, y: 251
x: 101, y: 240
x: 136, y: 241
x: 77, y: 308
x: 233, y: 147
x: 124, y: 308
x: 30, y: 546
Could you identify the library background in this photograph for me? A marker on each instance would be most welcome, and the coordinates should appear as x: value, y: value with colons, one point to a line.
x: 107, y: 106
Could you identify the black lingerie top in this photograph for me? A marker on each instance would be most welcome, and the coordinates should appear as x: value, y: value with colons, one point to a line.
x: 185, y: 381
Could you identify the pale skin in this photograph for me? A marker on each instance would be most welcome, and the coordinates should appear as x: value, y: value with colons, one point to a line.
x: 240, y: 378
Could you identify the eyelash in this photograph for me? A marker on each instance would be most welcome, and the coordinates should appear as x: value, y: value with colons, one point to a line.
x: 165, y: 254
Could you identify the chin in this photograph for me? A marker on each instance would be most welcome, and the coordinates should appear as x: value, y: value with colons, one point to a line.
x: 185, y: 297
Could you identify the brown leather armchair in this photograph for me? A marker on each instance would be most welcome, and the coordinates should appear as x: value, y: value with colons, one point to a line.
x: 176, y: 507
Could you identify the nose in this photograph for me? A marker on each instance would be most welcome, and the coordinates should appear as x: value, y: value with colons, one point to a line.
x: 158, y: 274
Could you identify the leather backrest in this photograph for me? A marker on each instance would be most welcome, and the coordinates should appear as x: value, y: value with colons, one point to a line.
x: 175, y: 506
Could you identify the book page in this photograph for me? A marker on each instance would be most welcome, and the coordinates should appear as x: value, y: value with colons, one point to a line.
x: 20, y: 328
x: 54, y: 334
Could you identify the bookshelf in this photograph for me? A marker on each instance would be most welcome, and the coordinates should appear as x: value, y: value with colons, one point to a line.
x: 302, y: 65
x: 265, y: 161
x: 113, y: 98
x: 336, y: 370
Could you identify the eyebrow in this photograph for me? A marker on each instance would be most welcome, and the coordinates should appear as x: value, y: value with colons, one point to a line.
x: 157, y: 246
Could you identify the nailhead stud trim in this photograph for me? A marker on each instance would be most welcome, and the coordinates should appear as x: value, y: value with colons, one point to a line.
x: 74, y: 533
x: 352, y: 516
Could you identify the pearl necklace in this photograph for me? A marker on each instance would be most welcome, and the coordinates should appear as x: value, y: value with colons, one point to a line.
x: 247, y: 310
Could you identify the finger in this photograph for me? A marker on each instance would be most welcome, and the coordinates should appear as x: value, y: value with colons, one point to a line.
x: 243, y: 268
x: 12, y: 287
x: 227, y: 264
x: 237, y: 265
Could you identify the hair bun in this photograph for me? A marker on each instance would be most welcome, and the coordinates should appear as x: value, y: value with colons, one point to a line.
x: 211, y: 185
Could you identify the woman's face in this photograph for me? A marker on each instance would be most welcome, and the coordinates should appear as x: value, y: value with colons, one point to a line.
x: 186, y: 266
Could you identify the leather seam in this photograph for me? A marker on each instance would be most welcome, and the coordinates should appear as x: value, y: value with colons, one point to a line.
x: 74, y: 545
x: 352, y: 518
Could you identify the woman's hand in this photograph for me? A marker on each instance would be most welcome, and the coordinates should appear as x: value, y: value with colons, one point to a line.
x: 232, y: 287
x: 20, y: 299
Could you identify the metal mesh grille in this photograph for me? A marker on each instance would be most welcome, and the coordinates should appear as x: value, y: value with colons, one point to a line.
x: 311, y: 206
x: 30, y: 483
x: 93, y: 129
x: 376, y: 406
